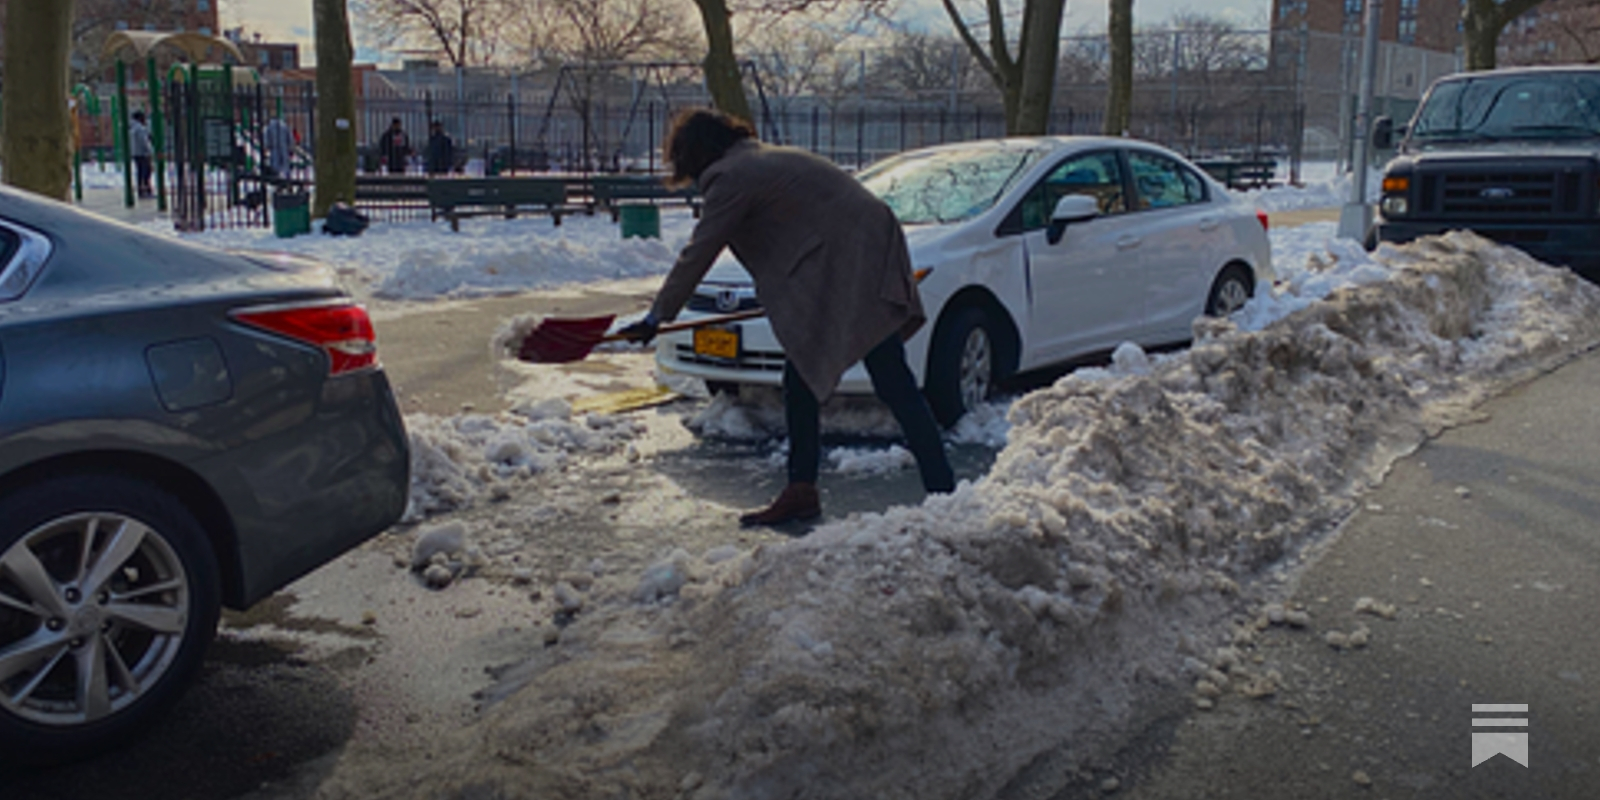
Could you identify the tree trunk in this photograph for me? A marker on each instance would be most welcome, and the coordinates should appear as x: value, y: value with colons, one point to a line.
x: 336, y: 108
x: 1479, y: 35
x: 721, y: 65
x: 1481, y: 24
x: 36, y: 143
x: 1037, y: 55
x: 1119, y: 98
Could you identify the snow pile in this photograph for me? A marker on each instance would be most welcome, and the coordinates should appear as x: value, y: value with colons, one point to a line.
x: 423, y: 260
x: 756, y: 415
x: 1311, y: 264
x: 870, y: 461
x: 935, y: 651
x: 458, y: 460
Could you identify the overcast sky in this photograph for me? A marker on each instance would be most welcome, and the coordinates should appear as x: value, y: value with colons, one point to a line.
x: 290, y: 20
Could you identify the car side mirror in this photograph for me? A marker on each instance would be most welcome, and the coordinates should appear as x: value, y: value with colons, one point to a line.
x: 1071, y: 209
x: 1383, y: 133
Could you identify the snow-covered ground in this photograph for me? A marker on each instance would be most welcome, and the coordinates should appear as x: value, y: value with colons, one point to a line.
x: 423, y: 260
x: 1322, y: 186
x: 933, y: 651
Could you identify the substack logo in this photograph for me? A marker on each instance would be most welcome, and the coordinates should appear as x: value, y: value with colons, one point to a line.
x: 1488, y: 744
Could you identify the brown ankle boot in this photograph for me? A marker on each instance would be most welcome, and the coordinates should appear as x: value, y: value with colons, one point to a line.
x: 798, y: 501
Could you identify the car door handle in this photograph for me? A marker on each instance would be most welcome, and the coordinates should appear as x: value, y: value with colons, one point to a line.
x: 1209, y: 223
x: 1129, y: 242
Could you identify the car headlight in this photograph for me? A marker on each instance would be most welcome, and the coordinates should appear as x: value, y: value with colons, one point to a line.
x: 1395, y: 206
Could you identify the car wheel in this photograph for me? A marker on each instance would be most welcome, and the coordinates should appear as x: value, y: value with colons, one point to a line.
x: 964, y: 365
x: 109, y: 594
x: 1232, y: 289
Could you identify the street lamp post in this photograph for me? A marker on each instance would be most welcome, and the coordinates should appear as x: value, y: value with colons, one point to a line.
x: 1356, y: 216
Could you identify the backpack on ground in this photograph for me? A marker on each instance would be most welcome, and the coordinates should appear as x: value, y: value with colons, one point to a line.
x: 342, y: 220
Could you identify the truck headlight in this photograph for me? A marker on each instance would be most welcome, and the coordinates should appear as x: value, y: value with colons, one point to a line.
x: 1395, y: 206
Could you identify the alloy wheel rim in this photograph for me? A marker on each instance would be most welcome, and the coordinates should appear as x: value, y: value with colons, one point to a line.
x: 977, y: 369
x: 93, y: 610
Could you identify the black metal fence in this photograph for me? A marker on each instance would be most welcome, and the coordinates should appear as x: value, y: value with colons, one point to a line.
x: 234, y: 146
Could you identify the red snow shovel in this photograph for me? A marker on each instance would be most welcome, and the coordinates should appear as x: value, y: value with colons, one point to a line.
x: 558, y: 341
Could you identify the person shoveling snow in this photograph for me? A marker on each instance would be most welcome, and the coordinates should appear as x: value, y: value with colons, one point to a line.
x: 833, y: 275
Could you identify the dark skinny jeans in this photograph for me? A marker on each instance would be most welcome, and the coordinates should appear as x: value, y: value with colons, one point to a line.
x: 897, y: 388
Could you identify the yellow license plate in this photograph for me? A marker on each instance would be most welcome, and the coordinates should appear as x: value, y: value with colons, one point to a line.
x: 717, y: 342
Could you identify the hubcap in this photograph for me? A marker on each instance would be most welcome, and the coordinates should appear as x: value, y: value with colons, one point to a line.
x: 1231, y: 296
x: 93, y: 608
x: 977, y: 369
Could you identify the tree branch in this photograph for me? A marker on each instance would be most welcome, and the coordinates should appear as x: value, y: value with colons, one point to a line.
x: 971, y: 42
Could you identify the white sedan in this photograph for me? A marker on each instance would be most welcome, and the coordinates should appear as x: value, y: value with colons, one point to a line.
x: 1030, y: 252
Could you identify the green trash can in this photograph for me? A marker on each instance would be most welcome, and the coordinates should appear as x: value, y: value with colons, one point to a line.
x: 291, y: 214
x: 643, y: 221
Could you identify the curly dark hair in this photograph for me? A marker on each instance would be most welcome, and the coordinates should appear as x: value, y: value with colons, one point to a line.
x: 697, y: 138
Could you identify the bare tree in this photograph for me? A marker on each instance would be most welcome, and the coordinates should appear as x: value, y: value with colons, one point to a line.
x: 1026, y: 79
x: 1481, y: 24
x: 599, y: 31
x: 793, y: 60
x: 1119, y: 94
x: 336, y: 107
x: 918, y: 63
x: 36, y: 131
x: 465, y: 33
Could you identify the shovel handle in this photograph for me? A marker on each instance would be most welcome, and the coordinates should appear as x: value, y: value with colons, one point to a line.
x: 720, y: 319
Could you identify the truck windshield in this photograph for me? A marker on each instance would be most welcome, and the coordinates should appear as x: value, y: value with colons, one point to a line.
x: 1555, y: 105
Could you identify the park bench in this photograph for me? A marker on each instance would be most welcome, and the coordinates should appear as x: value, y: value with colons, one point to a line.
x: 611, y: 192
x: 391, y: 192
x: 1237, y: 173
x: 454, y: 198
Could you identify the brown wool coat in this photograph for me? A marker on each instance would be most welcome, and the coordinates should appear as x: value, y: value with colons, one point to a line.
x: 829, y: 259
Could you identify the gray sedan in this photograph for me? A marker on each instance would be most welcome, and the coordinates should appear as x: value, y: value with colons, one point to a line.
x: 180, y: 430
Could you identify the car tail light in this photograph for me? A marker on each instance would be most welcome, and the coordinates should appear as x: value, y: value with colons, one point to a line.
x: 341, y: 328
x: 1261, y: 217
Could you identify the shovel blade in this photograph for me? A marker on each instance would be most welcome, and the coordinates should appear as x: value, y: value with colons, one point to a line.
x: 559, y: 341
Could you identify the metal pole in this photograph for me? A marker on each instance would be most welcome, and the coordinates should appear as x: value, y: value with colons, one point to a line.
x: 1177, y: 45
x: 121, y: 122
x: 1356, y: 216
x: 158, y: 133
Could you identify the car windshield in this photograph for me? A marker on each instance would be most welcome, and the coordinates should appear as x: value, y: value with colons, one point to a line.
x: 948, y: 185
x: 1523, y: 106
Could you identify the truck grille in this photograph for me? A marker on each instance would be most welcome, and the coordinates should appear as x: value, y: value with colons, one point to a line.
x: 1489, y: 192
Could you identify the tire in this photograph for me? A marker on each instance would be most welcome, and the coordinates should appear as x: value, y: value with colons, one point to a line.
x: 1231, y: 290
x: 145, y: 620
x: 964, y: 364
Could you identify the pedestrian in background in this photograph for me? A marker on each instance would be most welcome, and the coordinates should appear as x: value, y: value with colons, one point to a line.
x: 140, y: 149
x: 278, y: 141
x: 441, y: 152
x: 832, y: 271
x: 395, y: 147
